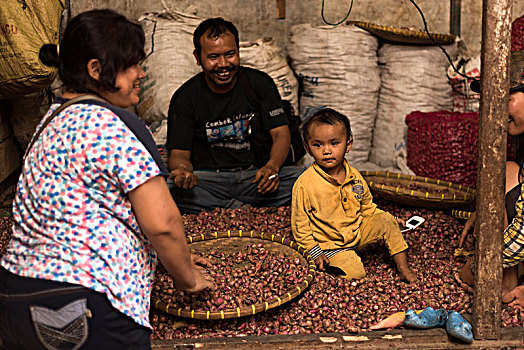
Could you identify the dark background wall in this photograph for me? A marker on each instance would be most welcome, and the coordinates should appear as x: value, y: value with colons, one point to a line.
x: 258, y: 18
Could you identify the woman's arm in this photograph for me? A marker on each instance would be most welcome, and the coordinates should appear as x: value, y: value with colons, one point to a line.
x: 160, y: 220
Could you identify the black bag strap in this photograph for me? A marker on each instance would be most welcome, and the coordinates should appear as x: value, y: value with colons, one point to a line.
x: 60, y: 109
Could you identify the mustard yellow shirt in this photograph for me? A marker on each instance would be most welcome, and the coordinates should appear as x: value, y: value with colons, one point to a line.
x: 327, y: 213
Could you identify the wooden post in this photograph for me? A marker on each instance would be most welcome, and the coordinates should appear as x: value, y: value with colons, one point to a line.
x: 496, y: 24
x: 454, y: 17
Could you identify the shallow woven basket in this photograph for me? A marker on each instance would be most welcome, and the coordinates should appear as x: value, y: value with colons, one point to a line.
x: 460, y: 214
x: 404, y: 35
x: 236, y: 241
x: 395, y: 187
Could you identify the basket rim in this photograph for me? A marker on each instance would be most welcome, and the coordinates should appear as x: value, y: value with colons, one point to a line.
x: 404, y: 35
x: 467, y: 195
x: 249, y: 309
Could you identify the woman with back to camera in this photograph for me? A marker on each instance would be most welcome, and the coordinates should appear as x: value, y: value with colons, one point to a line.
x: 92, y: 209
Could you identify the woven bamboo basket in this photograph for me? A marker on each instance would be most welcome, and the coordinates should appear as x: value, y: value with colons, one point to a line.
x: 428, y: 193
x: 460, y: 214
x: 404, y: 35
x: 235, y: 241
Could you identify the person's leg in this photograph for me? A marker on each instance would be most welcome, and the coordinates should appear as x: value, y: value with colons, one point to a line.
x: 214, y: 190
x: 383, y: 226
x: 510, y: 279
x: 466, y: 274
x: 42, y: 314
x: 115, y: 330
x: 350, y: 263
x: 281, y: 197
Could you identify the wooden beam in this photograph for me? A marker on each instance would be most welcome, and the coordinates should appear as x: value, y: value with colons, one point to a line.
x: 496, y: 24
x: 435, y: 338
x: 454, y: 17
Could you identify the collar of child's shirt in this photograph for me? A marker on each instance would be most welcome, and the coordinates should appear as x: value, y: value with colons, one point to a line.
x: 349, y: 174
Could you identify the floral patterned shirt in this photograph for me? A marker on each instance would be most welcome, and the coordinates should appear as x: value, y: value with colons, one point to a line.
x: 73, y: 219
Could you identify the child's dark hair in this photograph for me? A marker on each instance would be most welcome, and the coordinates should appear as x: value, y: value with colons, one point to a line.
x: 327, y: 116
x: 98, y: 34
x: 216, y: 27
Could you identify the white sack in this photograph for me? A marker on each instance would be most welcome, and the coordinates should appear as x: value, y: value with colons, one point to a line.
x: 264, y: 55
x: 413, y: 79
x: 170, y: 61
x: 338, y: 69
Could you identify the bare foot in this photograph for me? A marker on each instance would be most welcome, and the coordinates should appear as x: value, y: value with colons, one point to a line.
x: 404, y: 271
x: 466, y: 275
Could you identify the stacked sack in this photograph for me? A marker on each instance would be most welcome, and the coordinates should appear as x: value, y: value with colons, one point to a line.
x: 338, y: 69
x: 413, y: 79
x: 264, y: 55
x: 169, y: 62
x: 24, y: 27
x: 464, y: 99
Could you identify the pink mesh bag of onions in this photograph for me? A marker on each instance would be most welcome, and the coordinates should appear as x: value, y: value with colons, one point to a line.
x: 443, y: 145
x: 517, y: 34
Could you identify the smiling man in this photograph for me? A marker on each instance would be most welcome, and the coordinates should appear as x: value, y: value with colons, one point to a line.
x: 211, y: 161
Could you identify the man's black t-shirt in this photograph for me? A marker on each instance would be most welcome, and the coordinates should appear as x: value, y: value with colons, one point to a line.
x: 214, y: 127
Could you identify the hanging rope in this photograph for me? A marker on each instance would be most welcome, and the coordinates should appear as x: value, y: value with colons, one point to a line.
x: 336, y: 24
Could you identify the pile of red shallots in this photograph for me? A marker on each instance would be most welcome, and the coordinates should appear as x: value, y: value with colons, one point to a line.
x: 330, y: 303
x: 241, y: 279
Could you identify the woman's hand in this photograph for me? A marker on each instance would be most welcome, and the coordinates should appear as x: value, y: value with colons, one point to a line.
x: 470, y: 225
x: 321, y: 261
x: 200, y: 262
x: 515, y: 297
x: 203, y: 281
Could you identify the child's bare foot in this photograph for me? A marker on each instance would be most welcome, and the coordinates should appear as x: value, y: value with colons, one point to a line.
x: 408, y: 276
x: 404, y: 271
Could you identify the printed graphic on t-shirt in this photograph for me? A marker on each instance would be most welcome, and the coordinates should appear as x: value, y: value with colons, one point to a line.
x: 231, y: 132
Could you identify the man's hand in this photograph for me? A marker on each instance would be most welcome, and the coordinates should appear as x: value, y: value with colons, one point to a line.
x: 470, y: 224
x: 183, y: 178
x: 269, y: 179
x: 515, y: 297
x: 321, y: 261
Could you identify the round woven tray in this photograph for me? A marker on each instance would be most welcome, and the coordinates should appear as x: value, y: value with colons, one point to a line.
x: 431, y: 193
x: 404, y: 35
x: 238, y: 241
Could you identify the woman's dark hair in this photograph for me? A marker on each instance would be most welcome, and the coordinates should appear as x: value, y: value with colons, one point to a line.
x: 98, y: 34
x: 327, y: 116
x: 216, y: 27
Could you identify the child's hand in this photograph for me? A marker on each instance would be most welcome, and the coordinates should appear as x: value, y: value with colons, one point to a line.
x: 321, y: 261
x: 401, y: 222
